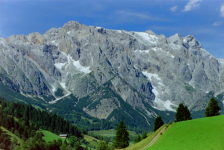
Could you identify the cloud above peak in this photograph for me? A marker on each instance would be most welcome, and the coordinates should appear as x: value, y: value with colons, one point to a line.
x: 222, y: 10
x: 217, y: 23
x: 173, y: 9
x: 192, y: 4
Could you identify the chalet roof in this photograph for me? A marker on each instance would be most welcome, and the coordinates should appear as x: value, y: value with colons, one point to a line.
x: 63, y: 134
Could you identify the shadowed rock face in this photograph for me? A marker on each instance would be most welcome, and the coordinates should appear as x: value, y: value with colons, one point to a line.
x: 140, y: 67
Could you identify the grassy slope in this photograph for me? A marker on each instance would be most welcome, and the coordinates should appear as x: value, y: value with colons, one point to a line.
x: 49, y: 136
x: 144, y: 142
x: 11, y: 135
x: 199, y: 134
x: 91, y: 140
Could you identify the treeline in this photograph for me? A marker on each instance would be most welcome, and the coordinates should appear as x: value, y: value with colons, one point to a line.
x: 32, y: 119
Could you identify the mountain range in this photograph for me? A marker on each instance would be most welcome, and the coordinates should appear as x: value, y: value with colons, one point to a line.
x: 113, y: 74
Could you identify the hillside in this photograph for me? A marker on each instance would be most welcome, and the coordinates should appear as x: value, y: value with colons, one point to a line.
x: 19, y: 141
x: 199, y: 134
x: 23, y: 123
x: 144, y: 142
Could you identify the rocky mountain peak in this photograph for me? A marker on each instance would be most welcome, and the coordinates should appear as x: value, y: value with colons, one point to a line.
x: 192, y: 42
x: 73, y: 25
x: 176, y: 39
x: 150, y: 32
x: 35, y: 38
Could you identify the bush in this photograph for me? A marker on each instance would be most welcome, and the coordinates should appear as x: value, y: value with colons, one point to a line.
x: 102, y: 145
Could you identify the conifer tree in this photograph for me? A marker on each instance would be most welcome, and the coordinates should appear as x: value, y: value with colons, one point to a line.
x: 213, y: 108
x: 158, y: 123
x: 183, y: 113
x: 187, y: 114
x: 144, y: 135
x: 139, y: 138
x: 121, y: 139
x: 180, y: 113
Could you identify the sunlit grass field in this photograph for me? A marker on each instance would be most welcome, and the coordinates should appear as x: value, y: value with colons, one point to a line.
x: 199, y: 134
x: 49, y: 136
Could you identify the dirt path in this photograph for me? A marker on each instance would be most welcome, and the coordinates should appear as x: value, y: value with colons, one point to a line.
x: 155, y: 138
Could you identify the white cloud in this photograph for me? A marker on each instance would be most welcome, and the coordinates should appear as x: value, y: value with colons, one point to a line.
x: 173, y: 9
x: 123, y: 16
x: 192, y: 4
x: 218, y: 23
x: 222, y: 10
x: 134, y: 14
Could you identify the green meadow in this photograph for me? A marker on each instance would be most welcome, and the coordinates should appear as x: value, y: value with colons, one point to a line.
x: 111, y: 133
x: 49, y: 136
x: 199, y: 134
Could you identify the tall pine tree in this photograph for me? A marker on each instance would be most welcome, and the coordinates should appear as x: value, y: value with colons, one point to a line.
x: 187, y: 114
x: 183, y: 113
x: 121, y: 139
x: 213, y: 108
x: 158, y: 123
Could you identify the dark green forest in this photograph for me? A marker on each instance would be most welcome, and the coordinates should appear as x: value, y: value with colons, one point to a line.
x: 24, y: 121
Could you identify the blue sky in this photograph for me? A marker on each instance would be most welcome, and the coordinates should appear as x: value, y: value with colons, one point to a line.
x: 204, y: 19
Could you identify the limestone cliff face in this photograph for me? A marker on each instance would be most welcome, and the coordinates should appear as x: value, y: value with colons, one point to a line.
x: 144, y: 69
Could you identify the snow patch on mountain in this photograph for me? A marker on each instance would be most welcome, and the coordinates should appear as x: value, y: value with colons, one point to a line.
x: 221, y: 61
x: 67, y: 93
x: 53, y: 89
x: 192, y: 83
x: 77, y: 64
x: 174, y: 46
x: 155, y: 49
x: 147, y: 37
x: 63, y: 85
x: 141, y: 51
x: 54, y: 42
x: 59, y: 65
x: 80, y: 67
x: 160, y: 104
x: 150, y: 75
